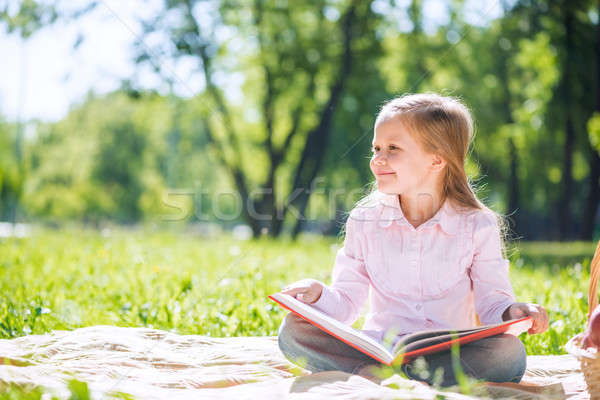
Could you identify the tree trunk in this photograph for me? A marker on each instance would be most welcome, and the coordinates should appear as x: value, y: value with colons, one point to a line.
x: 566, y: 185
x: 513, y: 183
x: 314, y: 151
x: 593, y: 198
x: 513, y: 178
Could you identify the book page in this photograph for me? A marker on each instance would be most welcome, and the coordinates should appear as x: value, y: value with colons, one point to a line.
x: 427, y: 342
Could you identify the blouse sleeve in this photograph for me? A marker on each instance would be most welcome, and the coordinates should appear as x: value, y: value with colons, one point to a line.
x: 349, y: 289
x: 492, y: 289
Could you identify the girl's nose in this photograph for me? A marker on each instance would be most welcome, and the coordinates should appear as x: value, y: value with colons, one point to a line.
x: 379, y: 158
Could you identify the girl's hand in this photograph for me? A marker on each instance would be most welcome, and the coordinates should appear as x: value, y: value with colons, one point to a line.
x: 306, y: 290
x: 537, y: 313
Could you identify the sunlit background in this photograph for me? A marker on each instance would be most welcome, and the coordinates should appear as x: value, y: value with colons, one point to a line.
x: 258, y: 116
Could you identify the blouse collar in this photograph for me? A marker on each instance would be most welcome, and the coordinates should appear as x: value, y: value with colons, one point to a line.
x: 446, y: 216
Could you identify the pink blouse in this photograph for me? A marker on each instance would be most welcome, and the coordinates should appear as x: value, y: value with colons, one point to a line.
x: 433, y: 277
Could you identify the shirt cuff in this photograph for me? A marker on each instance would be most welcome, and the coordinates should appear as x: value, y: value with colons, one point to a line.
x: 326, y: 302
x: 497, y: 314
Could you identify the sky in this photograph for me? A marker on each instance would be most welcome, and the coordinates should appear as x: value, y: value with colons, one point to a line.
x: 43, y: 76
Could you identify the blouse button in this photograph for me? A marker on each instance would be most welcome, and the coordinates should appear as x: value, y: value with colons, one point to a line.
x: 418, y: 307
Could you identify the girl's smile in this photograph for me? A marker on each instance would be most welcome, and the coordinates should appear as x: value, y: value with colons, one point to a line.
x: 384, y: 173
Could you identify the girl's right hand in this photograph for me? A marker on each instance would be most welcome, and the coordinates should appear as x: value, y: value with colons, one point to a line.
x: 306, y: 290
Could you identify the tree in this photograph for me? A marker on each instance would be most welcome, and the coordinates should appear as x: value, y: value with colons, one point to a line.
x: 593, y: 196
x: 24, y: 19
x: 103, y: 161
x: 298, y: 62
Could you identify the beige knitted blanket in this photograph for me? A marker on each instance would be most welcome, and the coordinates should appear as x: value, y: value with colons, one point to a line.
x: 154, y: 364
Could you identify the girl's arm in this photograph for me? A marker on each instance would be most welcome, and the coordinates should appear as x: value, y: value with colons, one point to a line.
x: 349, y: 289
x: 492, y: 290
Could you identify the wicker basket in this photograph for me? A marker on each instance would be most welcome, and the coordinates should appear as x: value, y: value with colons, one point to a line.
x: 590, y: 358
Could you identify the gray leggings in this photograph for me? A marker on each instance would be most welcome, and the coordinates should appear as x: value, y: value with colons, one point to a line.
x: 500, y: 358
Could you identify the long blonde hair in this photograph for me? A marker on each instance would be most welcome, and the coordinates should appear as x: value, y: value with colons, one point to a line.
x: 442, y: 125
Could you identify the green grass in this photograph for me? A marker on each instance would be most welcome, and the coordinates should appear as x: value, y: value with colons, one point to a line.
x: 191, y: 285
x: 218, y: 287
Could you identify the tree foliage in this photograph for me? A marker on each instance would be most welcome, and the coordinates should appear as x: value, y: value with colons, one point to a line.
x: 312, y: 77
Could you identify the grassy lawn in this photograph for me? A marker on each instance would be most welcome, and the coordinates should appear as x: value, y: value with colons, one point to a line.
x: 218, y: 287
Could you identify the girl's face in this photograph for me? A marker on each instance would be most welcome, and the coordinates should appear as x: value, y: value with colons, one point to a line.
x: 400, y: 164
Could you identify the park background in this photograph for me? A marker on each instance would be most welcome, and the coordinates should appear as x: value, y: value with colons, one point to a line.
x: 171, y: 163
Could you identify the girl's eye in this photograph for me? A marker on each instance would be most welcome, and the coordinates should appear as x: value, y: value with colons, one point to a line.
x: 392, y: 147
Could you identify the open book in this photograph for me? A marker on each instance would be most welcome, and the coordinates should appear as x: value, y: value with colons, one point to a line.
x: 409, y: 346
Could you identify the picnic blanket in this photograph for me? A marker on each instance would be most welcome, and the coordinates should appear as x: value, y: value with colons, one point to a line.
x: 155, y: 364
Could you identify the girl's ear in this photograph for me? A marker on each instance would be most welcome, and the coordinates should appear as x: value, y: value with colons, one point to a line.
x: 438, y: 163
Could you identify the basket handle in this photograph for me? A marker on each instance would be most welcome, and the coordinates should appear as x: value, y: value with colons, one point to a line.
x: 594, y: 274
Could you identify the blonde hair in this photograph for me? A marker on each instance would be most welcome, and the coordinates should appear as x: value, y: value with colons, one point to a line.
x: 441, y: 125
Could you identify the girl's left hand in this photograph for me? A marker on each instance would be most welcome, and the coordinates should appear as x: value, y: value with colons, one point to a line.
x: 537, y: 313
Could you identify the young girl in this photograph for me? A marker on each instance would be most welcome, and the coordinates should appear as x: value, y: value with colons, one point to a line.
x: 428, y: 250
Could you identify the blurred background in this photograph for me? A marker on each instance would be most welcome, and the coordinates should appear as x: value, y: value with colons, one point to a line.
x: 256, y: 116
